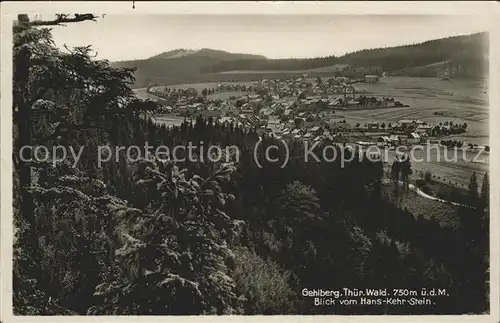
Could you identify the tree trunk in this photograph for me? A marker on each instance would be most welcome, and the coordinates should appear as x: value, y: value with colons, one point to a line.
x: 23, y: 121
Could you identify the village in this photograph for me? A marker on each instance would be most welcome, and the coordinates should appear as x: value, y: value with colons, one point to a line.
x: 305, y: 109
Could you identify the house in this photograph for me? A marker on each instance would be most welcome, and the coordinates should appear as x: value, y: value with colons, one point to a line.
x: 388, y: 103
x: 395, y: 140
x: 312, y: 105
x: 181, y: 109
x: 408, y: 126
x: 372, y: 126
x: 195, y: 107
x: 313, y: 121
x: 383, y: 141
x: 299, y: 122
x: 414, y: 138
x: 165, y: 109
x: 317, y: 104
x: 246, y: 110
x: 246, y: 106
x: 406, y: 122
x: 302, y: 105
x: 353, y: 103
x: 424, y: 128
x: 273, y: 122
x: 257, y: 103
x: 339, y: 126
x: 372, y: 78
x: 365, y: 143
x: 316, y: 130
x: 308, y: 136
x: 333, y: 103
x: 254, y: 121
x: 308, y: 88
x: 274, y: 131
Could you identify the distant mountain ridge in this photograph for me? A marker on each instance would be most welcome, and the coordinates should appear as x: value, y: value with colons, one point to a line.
x: 206, y: 52
x: 179, y: 65
x: 458, y: 56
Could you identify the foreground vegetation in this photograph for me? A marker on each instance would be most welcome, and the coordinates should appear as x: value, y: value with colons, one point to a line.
x: 151, y: 237
x: 464, y: 53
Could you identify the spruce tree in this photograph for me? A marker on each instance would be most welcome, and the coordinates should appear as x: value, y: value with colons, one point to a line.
x: 485, y: 191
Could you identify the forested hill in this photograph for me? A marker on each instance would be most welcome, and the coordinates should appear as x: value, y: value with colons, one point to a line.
x: 178, y: 66
x: 459, y: 56
x: 455, y: 53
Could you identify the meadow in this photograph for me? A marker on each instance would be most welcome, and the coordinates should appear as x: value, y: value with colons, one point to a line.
x: 456, y: 100
x: 325, y: 69
x: 199, y: 86
x: 432, y: 100
x: 453, y: 167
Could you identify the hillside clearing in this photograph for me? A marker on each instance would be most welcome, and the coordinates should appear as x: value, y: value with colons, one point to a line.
x: 420, y: 206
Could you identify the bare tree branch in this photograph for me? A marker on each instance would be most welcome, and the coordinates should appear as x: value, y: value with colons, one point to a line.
x: 63, y: 18
x: 69, y: 50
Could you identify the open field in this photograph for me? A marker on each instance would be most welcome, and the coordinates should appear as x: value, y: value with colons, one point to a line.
x: 424, y: 70
x: 143, y: 95
x: 459, y: 100
x: 420, y: 206
x: 447, y: 165
x: 225, y: 95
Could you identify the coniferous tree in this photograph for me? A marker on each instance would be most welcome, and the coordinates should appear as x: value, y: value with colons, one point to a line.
x: 485, y: 191
x: 473, y: 190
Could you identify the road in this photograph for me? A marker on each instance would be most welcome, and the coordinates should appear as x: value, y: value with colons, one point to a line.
x: 427, y: 196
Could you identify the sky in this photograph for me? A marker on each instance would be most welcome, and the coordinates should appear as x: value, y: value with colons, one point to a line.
x: 139, y: 36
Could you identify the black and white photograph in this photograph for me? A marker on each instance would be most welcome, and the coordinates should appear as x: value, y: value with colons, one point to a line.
x: 166, y: 163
